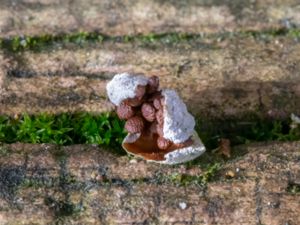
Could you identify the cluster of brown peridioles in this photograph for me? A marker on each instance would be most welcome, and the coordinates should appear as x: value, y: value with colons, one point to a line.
x: 144, y: 112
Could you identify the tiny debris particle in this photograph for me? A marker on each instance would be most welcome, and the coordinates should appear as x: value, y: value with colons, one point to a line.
x: 230, y: 174
x: 23, y: 43
x: 273, y: 204
x: 295, y: 121
x: 224, y: 148
x: 133, y: 161
x: 295, y: 118
x: 182, y: 205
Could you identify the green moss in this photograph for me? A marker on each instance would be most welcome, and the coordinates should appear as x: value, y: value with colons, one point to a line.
x: 39, y: 42
x: 63, y: 208
x: 17, y: 43
x: 108, y: 131
x: 35, y: 183
x: 3, y: 151
x: 67, y: 179
x: 63, y: 129
x: 209, y: 174
x: 295, y: 33
x: 253, y: 129
x: 293, y: 188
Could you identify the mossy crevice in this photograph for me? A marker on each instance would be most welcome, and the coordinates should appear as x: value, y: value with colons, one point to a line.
x: 20, y: 43
x: 108, y: 131
x: 63, y: 129
x: 95, y: 127
x: 247, y: 130
x: 209, y: 174
x: 66, y: 184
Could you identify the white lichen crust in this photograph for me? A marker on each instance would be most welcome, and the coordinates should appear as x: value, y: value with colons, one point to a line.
x: 179, y: 155
x: 187, y: 153
x: 123, y: 86
x: 178, y: 122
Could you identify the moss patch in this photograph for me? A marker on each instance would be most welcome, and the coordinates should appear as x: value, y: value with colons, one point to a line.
x: 20, y: 43
x: 36, y: 183
x: 107, y: 130
x: 293, y: 188
x: 62, y: 208
x: 251, y: 129
x: 3, y: 151
x: 209, y: 174
x: 64, y: 129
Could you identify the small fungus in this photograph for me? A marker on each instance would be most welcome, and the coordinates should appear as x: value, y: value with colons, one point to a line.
x: 159, y: 127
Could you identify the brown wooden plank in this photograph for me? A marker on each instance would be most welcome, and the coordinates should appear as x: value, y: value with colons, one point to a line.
x: 217, y: 79
x: 37, y: 17
x: 83, y: 184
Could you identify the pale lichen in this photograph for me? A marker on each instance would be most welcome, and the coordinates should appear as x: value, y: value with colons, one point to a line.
x: 123, y: 86
x: 178, y: 122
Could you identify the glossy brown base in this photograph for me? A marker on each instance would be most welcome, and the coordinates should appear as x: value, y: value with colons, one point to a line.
x: 146, y: 146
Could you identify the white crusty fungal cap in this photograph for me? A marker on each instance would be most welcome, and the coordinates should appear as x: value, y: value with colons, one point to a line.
x: 185, y: 154
x: 123, y: 86
x: 178, y: 122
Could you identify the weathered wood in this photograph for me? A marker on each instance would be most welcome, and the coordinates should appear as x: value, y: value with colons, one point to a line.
x: 217, y: 79
x: 47, y: 184
x: 130, y: 17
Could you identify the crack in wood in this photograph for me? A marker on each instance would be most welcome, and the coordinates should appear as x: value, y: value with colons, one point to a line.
x: 258, y: 202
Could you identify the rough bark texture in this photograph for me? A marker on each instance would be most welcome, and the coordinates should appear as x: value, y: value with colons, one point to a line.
x: 217, y: 79
x: 47, y: 184
x: 114, y: 17
x: 218, y: 74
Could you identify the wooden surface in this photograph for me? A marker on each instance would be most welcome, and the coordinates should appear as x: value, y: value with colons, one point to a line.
x: 231, y: 78
x: 114, y: 17
x: 228, y: 59
x: 44, y: 184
